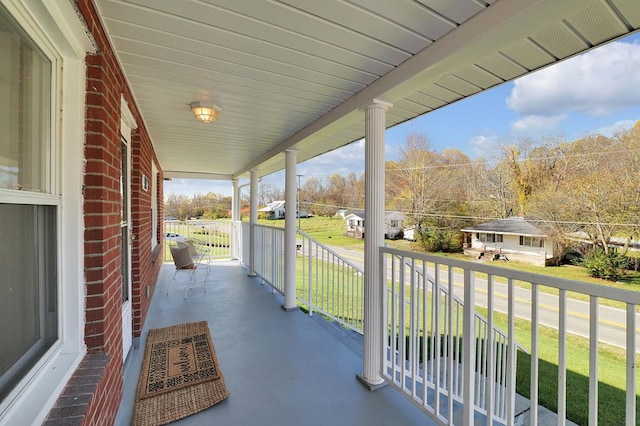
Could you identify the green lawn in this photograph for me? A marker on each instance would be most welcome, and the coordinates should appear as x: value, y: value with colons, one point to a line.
x: 327, y: 230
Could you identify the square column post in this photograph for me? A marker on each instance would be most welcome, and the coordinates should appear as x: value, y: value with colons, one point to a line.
x: 235, y: 217
x: 290, y: 215
x: 374, y: 238
x: 253, y: 220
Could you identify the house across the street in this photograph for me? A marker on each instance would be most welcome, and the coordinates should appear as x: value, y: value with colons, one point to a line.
x: 513, y: 238
x: 393, y: 224
x: 276, y: 209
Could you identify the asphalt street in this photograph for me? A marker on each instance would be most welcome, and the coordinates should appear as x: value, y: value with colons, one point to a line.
x: 612, y: 321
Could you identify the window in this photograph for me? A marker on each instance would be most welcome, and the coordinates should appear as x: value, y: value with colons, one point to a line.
x: 29, y: 206
x: 531, y: 241
x: 154, y: 205
x: 489, y: 238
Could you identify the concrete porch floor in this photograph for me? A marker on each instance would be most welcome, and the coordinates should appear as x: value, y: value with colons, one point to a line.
x: 281, y: 368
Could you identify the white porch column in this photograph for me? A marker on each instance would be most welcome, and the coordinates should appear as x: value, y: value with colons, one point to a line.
x: 235, y: 216
x: 290, y: 214
x: 374, y: 238
x: 253, y: 220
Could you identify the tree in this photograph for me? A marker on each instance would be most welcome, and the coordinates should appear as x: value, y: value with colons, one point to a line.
x: 430, y: 187
x: 268, y: 193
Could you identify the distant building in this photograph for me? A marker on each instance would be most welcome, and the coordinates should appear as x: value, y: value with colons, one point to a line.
x: 342, y: 213
x: 513, y: 238
x: 276, y: 210
x: 393, y: 224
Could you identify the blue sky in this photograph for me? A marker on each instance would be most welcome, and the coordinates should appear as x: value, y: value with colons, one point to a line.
x: 596, y: 92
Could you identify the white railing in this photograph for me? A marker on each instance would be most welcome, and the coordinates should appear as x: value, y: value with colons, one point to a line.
x: 269, y: 255
x: 448, y: 356
x: 245, y: 239
x: 215, y: 234
x: 236, y: 240
x: 329, y: 284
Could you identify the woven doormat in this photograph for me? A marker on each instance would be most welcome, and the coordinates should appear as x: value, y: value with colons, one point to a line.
x: 180, y: 375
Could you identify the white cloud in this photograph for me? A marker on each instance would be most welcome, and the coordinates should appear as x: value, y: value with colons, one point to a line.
x: 616, y: 127
x: 481, y: 144
x: 531, y: 125
x: 349, y: 158
x: 596, y: 83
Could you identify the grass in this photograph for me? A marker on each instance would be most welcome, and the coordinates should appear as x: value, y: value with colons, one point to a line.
x: 335, y: 290
x: 327, y: 230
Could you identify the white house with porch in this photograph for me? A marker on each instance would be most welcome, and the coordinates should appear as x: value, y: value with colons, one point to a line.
x: 393, y: 224
x: 276, y: 210
x: 514, y: 238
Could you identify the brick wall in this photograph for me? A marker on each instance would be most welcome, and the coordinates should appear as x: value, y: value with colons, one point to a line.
x: 102, y: 204
x: 145, y: 265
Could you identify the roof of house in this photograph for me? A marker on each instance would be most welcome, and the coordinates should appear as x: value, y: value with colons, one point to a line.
x: 362, y: 215
x: 358, y: 213
x: 272, y: 206
x: 512, y: 225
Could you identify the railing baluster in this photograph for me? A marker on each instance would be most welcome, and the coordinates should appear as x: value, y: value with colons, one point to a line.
x: 402, y: 324
x: 425, y: 335
x: 562, y: 358
x: 385, y: 314
x: 450, y: 345
x: 511, y: 357
x: 533, y: 397
x: 490, y: 347
x: 631, y: 365
x: 459, y: 348
x: 500, y: 377
x: 309, y: 276
x: 593, y: 361
x: 394, y: 336
x: 436, y: 300
x: 412, y: 327
x: 274, y: 262
x: 468, y: 347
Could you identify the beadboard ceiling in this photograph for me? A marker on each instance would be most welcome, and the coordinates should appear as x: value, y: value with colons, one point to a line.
x: 297, y: 73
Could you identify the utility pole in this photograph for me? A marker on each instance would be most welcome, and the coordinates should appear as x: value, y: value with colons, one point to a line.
x: 298, y: 200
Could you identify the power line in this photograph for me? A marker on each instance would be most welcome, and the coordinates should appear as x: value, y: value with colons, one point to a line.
x: 521, y: 160
x: 482, y: 218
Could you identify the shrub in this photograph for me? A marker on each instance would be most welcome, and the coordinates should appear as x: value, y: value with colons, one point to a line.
x: 434, y: 239
x: 600, y: 264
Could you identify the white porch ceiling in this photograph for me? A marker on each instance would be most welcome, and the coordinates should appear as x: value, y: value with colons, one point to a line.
x: 296, y: 73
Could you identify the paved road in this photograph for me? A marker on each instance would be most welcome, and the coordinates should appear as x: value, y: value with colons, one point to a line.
x: 612, y: 321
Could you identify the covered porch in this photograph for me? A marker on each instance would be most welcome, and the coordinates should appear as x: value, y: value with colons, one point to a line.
x: 291, y: 80
x: 280, y: 367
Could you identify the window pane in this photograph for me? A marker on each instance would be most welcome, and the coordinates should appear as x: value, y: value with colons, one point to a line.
x: 28, y: 285
x: 25, y: 107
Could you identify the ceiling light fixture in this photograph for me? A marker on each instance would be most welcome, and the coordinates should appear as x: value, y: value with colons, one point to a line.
x: 207, y: 113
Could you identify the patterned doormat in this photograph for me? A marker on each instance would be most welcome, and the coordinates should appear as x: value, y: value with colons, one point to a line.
x: 180, y: 375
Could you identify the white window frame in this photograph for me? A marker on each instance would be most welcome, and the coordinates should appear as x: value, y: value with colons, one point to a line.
x: 56, y: 29
x: 154, y: 205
